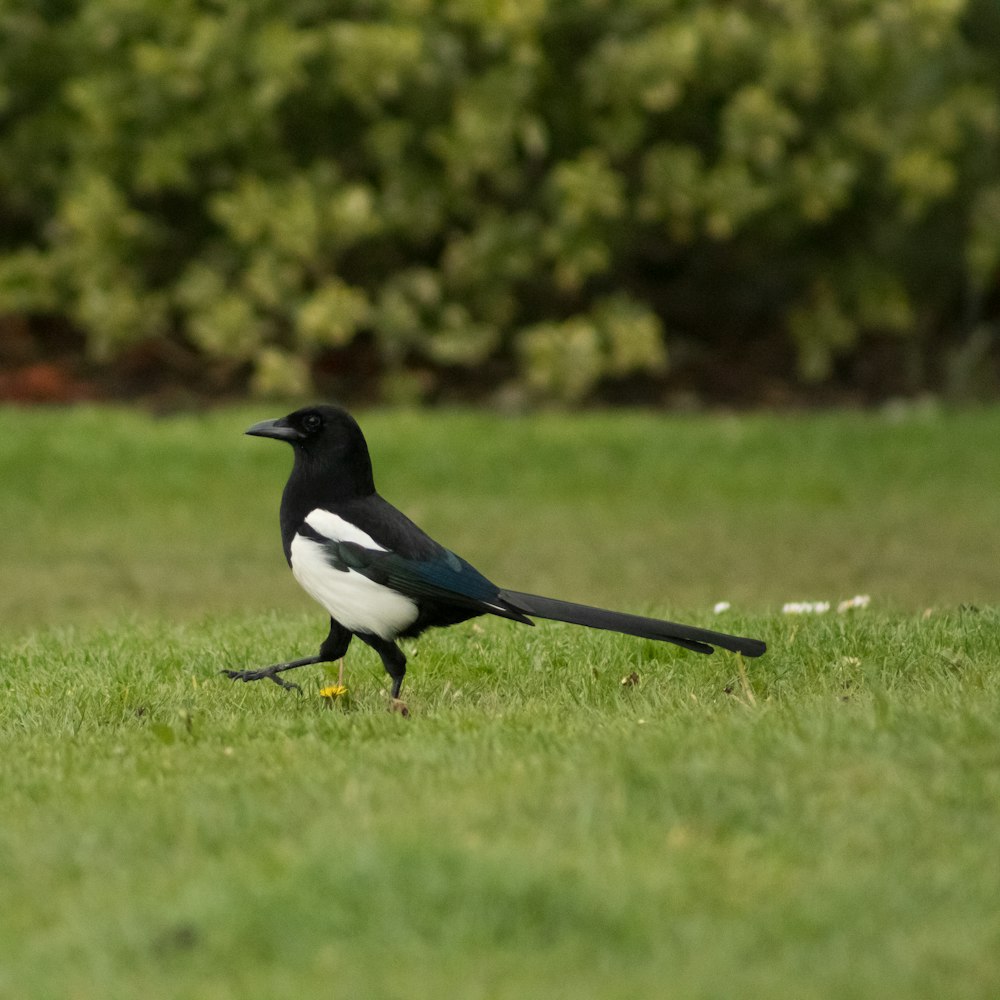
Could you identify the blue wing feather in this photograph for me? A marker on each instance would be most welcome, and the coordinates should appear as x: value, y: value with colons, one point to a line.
x: 447, y: 577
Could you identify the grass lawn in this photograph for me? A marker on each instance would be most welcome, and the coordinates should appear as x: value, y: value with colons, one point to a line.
x: 822, y: 822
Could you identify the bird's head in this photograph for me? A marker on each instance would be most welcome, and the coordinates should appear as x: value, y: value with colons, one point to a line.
x: 312, y: 428
x: 327, y: 442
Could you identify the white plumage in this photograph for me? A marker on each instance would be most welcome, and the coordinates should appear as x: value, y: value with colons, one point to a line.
x: 359, y: 604
x: 334, y: 527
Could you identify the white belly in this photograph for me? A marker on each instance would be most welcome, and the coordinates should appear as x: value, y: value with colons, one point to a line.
x: 359, y: 604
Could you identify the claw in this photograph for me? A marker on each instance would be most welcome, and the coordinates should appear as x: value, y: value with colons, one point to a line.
x: 257, y: 675
x: 287, y: 685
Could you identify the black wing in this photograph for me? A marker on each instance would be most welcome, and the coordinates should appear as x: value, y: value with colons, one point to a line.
x: 445, y: 577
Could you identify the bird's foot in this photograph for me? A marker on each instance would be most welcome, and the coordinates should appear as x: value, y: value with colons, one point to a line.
x: 399, y: 706
x: 256, y: 675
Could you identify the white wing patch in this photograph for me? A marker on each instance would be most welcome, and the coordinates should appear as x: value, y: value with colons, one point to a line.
x: 338, y: 530
x: 359, y: 604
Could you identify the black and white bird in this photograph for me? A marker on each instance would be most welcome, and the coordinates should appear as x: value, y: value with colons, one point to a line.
x: 381, y: 578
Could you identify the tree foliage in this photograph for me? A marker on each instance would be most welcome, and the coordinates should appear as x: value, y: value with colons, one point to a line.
x: 570, y: 185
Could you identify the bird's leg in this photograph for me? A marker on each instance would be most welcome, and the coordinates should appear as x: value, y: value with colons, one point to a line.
x: 394, y: 662
x: 273, y: 671
x: 334, y: 647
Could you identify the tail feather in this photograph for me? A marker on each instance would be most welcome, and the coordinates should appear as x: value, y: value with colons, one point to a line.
x: 701, y: 640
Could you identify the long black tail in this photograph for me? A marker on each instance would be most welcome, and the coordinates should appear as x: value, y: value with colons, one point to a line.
x: 700, y: 640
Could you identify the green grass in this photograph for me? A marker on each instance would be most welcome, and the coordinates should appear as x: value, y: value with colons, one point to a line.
x: 821, y: 822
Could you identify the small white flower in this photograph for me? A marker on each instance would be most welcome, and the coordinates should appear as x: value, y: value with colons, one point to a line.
x: 721, y: 606
x: 805, y: 608
x: 858, y: 601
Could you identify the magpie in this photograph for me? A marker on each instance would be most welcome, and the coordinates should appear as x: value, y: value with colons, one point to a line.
x: 381, y: 578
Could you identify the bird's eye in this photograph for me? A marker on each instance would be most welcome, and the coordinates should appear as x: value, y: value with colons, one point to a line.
x: 312, y: 422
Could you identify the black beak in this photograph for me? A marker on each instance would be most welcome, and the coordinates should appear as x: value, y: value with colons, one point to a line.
x: 280, y: 430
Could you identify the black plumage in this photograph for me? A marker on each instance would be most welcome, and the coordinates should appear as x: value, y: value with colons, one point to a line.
x: 382, y: 578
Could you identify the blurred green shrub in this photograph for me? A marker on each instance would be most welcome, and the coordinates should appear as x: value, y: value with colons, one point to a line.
x: 567, y: 184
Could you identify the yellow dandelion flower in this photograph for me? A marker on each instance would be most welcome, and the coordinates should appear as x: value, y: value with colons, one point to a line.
x: 333, y: 691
